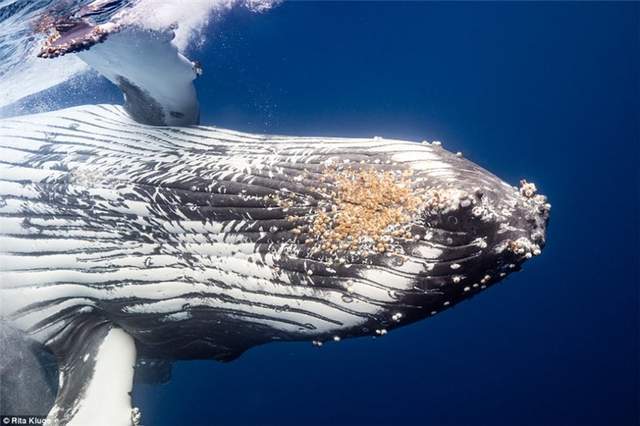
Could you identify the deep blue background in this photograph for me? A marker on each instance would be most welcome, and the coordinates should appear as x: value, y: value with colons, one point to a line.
x: 546, y: 91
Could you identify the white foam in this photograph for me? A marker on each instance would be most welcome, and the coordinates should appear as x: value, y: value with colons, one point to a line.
x: 191, y: 20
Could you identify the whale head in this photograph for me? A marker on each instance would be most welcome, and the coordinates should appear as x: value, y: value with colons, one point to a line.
x: 420, y: 233
x: 165, y: 244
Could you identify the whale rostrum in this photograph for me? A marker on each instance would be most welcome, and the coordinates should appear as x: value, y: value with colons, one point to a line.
x: 167, y: 243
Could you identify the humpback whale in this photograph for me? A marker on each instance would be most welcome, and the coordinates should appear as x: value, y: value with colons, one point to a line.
x: 130, y: 237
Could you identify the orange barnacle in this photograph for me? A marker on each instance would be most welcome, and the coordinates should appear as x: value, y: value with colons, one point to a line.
x: 364, y: 211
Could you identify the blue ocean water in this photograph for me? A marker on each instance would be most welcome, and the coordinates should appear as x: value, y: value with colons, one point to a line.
x: 544, y: 91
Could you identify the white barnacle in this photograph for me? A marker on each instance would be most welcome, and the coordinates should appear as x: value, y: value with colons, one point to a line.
x: 480, y: 242
x: 527, y: 189
x: 136, y: 416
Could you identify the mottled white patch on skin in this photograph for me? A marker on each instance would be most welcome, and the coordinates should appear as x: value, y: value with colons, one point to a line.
x: 390, y: 279
x: 177, y: 316
x: 428, y: 252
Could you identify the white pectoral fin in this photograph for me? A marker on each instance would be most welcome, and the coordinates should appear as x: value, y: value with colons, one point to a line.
x: 96, y: 377
x: 156, y: 80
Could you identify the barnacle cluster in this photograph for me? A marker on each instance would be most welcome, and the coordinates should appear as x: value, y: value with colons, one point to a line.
x: 361, y: 212
x: 445, y: 200
x: 527, y: 189
x: 523, y: 247
x: 70, y: 35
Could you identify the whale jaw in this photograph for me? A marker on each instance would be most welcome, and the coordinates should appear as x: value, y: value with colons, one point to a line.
x: 201, y: 242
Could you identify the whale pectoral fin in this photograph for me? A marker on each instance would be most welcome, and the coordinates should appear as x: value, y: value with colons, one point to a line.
x: 155, y: 79
x: 96, y: 365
